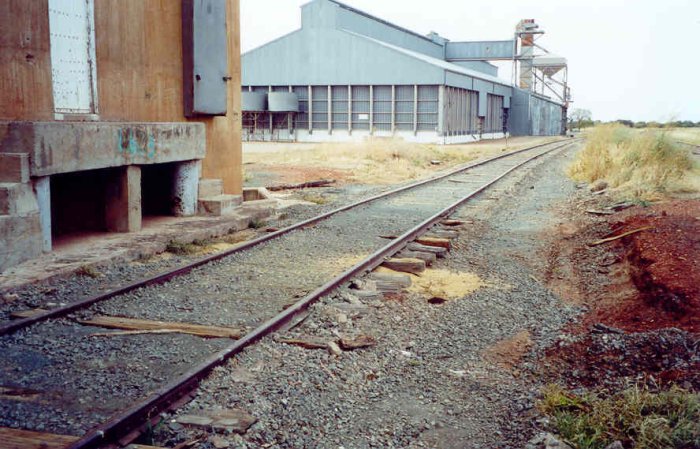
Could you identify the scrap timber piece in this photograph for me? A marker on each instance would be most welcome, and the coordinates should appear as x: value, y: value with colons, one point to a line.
x: 437, y: 250
x: 426, y: 257
x: 305, y: 341
x: 433, y: 241
x: 133, y: 324
x: 442, y: 233
x: 388, y: 283
x: 405, y: 265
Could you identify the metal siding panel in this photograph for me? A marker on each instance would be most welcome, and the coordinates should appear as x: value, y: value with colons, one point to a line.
x: 374, y: 28
x: 360, y: 107
x: 339, y: 107
x: 72, y: 42
x: 320, y: 56
x: 479, y: 50
x: 205, y: 57
x: 427, y: 108
x: 404, y: 108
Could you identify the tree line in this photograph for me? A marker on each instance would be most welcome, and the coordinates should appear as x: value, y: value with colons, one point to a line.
x: 582, y: 118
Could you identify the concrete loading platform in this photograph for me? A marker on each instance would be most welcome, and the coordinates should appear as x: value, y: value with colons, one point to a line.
x: 63, y: 180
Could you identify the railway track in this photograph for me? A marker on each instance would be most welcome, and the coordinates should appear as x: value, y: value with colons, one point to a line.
x: 113, y: 382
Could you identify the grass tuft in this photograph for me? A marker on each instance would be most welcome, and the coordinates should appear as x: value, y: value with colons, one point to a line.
x: 315, y: 198
x: 642, y: 165
x: 257, y: 223
x: 88, y: 271
x: 637, y: 417
x: 183, y: 249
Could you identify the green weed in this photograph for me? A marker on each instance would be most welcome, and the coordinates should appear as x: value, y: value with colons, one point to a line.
x: 638, y: 417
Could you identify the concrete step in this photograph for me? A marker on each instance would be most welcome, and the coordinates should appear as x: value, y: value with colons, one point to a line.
x: 17, y: 199
x: 210, y: 187
x: 14, y: 167
x: 20, y: 239
x: 218, y: 205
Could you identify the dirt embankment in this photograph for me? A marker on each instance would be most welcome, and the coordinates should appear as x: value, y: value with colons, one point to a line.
x: 640, y: 294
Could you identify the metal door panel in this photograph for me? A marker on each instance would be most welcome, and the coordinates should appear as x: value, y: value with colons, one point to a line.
x: 205, y: 46
x: 72, y: 55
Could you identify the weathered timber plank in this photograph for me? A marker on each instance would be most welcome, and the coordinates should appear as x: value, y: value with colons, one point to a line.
x: 26, y: 313
x: 437, y: 250
x: 27, y: 439
x: 114, y: 322
x: 426, y: 257
x: 406, y: 265
x: 442, y: 233
x: 306, y: 341
x: 433, y: 241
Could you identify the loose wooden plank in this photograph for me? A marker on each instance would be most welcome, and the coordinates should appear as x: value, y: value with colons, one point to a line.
x: 624, y: 234
x: 306, y: 341
x: 121, y: 333
x: 114, y: 322
x: 451, y: 222
x: 428, y: 258
x: 26, y: 313
x: 390, y: 283
x: 406, y: 265
x: 302, y: 185
x: 27, y: 439
x: 599, y: 212
x: 438, y: 251
x: 442, y: 233
x: 432, y: 241
x: 18, y: 394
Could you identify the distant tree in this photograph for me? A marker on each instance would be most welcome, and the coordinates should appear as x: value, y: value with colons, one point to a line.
x: 579, y: 118
x: 627, y: 123
x: 640, y: 124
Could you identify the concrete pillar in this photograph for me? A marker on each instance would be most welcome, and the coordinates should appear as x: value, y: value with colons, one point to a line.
x: 186, y: 185
x: 42, y: 187
x: 123, y: 202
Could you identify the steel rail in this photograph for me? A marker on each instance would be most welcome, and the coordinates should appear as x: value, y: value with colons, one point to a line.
x: 165, y: 276
x: 162, y: 398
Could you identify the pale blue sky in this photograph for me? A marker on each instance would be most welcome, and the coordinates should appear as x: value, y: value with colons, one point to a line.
x: 627, y: 59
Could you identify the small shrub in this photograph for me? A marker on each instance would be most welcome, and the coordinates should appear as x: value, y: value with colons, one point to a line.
x: 182, y: 249
x: 315, y: 198
x: 88, y: 271
x: 257, y: 223
x: 637, y: 417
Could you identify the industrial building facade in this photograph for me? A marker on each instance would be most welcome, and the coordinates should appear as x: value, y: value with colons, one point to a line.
x: 346, y: 75
x: 106, y: 119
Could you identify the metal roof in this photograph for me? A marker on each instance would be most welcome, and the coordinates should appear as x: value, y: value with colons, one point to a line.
x: 436, y: 62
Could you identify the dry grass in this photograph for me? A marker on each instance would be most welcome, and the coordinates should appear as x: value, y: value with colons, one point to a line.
x: 382, y: 160
x: 637, y: 417
x: 643, y: 165
x: 688, y: 135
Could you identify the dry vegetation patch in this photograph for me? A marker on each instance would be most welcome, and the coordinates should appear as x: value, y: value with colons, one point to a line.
x: 643, y: 165
x: 374, y: 161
